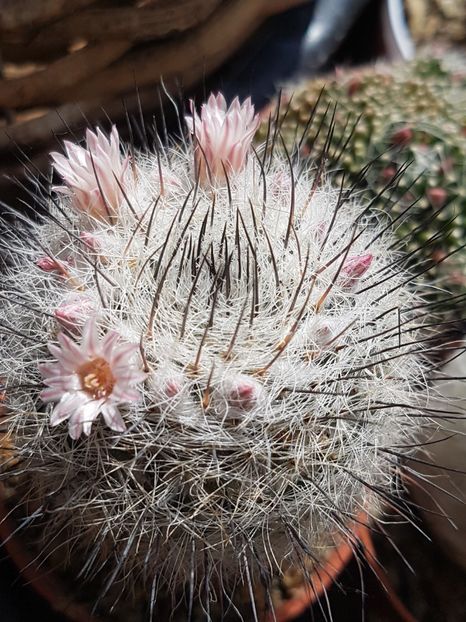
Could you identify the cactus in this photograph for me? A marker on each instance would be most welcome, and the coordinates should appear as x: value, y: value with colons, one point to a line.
x: 410, y: 113
x: 212, y: 360
x: 436, y: 20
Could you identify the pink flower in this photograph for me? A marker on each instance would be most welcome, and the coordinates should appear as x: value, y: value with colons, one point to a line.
x: 222, y: 136
x: 93, y: 175
x: 353, y: 268
x: 91, y: 378
x: 74, y: 311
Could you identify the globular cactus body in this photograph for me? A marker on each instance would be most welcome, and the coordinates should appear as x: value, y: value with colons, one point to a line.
x: 412, y: 113
x: 237, y: 359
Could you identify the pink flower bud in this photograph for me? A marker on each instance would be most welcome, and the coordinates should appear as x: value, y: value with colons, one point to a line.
x: 353, y: 268
x: 172, y: 387
x: 90, y: 240
x: 402, y: 136
x: 167, y: 385
x: 222, y: 136
x: 74, y: 311
x: 93, y: 175
x: 242, y: 391
x: 48, y: 264
x: 437, y: 197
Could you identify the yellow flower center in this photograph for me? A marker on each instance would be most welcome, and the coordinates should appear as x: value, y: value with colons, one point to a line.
x: 96, y: 378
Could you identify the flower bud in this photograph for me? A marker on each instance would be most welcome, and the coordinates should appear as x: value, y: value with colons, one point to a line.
x: 222, y: 136
x: 48, y: 264
x: 353, y: 268
x: 74, y: 311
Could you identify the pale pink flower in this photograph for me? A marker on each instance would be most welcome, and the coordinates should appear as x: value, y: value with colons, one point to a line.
x: 91, y: 378
x: 354, y: 268
x: 93, y: 175
x: 222, y: 136
x: 73, y: 312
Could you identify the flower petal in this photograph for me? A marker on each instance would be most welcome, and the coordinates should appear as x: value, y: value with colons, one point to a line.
x: 113, y: 418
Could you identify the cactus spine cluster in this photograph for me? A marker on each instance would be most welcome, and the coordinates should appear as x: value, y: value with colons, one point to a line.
x: 206, y: 376
x: 410, y: 119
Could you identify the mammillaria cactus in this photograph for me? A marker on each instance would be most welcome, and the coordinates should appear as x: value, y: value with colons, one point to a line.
x: 408, y: 113
x: 209, y: 378
x: 436, y: 20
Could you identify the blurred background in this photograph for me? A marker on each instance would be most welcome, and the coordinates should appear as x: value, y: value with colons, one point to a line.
x: 401, y: 65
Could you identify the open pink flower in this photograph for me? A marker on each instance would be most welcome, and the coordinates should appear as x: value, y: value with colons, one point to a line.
x: 91, y: 378
x: 93, y: 175
x: 222, y: 136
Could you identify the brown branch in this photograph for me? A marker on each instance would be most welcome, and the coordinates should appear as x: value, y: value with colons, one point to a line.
x: 27, y: 14
x: 127, y: 23
x: 42, y: 86
x: 189, y: 57
x: 19, y: 50
x: 39, y: 132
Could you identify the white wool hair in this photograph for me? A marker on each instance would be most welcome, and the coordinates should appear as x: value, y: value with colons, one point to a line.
x: 217, y: 284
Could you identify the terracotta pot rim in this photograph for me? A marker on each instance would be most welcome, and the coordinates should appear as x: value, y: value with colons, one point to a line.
x: 320, y: 581
x: 40, y: 578
x: 49, y: 586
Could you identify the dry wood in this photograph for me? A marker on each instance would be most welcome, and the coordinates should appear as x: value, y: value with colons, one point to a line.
x: 187, y: 57
x: 127, y: 23
x: 190, y: 57
x: 124, y: 23
x: 21, y: 51
x: 20, y: 14
x: 40, y: 130
x: 41, y: 86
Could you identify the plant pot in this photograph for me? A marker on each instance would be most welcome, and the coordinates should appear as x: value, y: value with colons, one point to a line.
x: 308, y: 594
x: 53, y: 590
x: 440, y: 491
